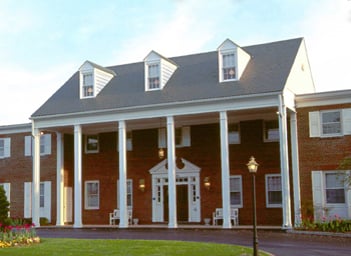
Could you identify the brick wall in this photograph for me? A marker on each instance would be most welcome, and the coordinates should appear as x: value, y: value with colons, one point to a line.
x: 204, y: 152
x: 318, y: 153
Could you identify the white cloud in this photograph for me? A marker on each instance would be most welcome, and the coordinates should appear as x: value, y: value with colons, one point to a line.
x: 24, y: 91
x: 328, y: 40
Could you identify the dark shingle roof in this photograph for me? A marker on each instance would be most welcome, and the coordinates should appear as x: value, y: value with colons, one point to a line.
x: 195, y: 79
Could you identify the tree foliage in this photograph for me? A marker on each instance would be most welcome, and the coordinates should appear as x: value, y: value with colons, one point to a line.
x: 4, y: 205
x: 345, y: 164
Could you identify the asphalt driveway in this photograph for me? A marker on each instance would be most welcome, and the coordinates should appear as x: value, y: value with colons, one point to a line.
x: 275, y: 242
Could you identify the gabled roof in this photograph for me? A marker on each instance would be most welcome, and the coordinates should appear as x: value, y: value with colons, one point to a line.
x: 195, y: 79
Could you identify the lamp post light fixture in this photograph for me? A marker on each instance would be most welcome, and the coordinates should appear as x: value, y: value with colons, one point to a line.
x: 252, y: 165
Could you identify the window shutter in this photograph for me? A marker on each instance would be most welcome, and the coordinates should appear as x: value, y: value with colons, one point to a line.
x: 47, y: 147
x: 348, y: 196
x: 186, y: 136
x: 28, y: 199
x: 318, y: 194
x: 314, y: 123
x: 28, y: 145
x: 346, y: 118
x: 7, y: 147
x: 46, y: 211
x: 162, y: 138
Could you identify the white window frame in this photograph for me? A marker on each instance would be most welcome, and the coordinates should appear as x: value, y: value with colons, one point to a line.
x: 183, y: 135
x: 156, y: 76
x: 322, y: 123
x: 129, y: 194
x: 238, y: 190
x: 87, y: 149
x: 234, y: 133
x: 5, y: 148
x: 88, y: 90
x: 88, y: 196
x: 270, y: 134
x: 268, y: 203
x: 339, y: 175
x: 45, y: 145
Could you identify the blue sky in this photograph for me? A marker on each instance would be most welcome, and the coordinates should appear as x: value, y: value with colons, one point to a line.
x: 43, y: 42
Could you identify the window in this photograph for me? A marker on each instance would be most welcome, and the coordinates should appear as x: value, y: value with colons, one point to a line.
x: 331, y: 122
x: 228, y: 66
x: 236, y: 191
x: 182, y: 137
x: 129, y: 194
x: 88, y: 85
x: 234, y: 134
x: 271, y: 130
x: 45, y: 145
x: 91, y: 144
x: 154, y: 76
x: 129, y: 142
x: 273, y: 190
x: 92, y: 196
x: 5, y: 145
x: 334, y: 188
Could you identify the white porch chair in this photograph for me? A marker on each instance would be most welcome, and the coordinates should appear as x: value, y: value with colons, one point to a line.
x: 218, y: 215
x: 115, y: 215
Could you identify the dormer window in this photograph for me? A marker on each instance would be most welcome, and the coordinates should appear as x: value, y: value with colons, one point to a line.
x: 232, y: 61
x: 88, y: 85
x: 154, y: 76
x: 158, y: 70
x: 229, y: 66
x: 92, y: 79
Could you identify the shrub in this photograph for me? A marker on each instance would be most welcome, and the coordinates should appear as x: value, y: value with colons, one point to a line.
x: 4, y: 205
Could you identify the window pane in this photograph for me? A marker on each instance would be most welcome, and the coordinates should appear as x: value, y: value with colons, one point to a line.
x: 235, y: 191
x: 275, y: 197
x: 92, y: 194
x: 274, y: 190
x: 335, y: 191
x: 331, y: 122
x: 92, y: 143
x: 229, y: 71
x: 271, y: 130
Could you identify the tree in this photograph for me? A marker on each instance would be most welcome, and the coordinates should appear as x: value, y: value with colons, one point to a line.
x: 345, y: 164
x: 4, y: 205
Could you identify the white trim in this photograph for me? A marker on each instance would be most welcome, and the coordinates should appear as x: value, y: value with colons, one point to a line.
x: 16, y: 128
x: 323, y: 98
x: 160, y: 110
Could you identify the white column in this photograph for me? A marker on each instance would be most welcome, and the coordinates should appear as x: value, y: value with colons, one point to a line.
x: 77, y: 176
x: 59, y: 179
x: 172, y: 190
x: 295, y: 169
x: 122, y: 146
x: 284, y: 164
x: 223, y: 121
x: 36, y: 178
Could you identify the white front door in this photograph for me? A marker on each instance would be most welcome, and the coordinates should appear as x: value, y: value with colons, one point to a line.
x: 188, y: 192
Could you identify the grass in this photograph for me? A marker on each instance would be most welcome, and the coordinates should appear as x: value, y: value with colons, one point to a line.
x: 95, y: 247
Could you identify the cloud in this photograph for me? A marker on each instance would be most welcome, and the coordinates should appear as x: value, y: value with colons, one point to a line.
x: 328, y: 41
x: 24, y: 91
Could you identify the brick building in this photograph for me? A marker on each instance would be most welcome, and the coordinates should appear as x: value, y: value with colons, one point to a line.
x: 168, y: 139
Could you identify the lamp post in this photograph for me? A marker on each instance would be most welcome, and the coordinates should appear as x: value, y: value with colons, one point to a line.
x: 252, y: 166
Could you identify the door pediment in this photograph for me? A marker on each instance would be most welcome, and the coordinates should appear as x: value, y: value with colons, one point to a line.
x: 161, y: 167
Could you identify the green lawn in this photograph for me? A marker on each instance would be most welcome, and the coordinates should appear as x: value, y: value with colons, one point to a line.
x: 83, y: 247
